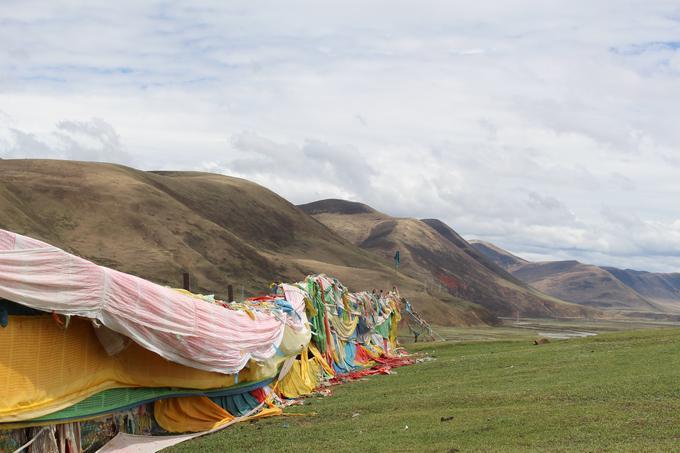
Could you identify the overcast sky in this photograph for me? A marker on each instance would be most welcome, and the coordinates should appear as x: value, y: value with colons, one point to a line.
x: 551, y: 128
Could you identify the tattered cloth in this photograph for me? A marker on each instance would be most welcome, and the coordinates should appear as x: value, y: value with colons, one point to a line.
x: 176, y: 326
x: 44, y: 369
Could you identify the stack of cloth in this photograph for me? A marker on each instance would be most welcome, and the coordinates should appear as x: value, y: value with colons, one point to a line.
x: 87, y: 352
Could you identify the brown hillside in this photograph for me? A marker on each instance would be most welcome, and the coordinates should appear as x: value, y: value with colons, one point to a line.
x: 438, y: 255
x: 583, y: 284
x: 500, y: 257
x: 470, y: 249
x: 224, y: 230
x: 660, y: 288
x: 633, y: 292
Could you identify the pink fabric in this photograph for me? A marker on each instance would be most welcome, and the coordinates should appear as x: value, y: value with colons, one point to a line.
x: 178, y: 327
x: 295, y: 296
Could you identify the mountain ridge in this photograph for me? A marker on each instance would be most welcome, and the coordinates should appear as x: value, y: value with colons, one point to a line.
x: 432, y: 251
x: 604, y: 287
x: 221, y: 229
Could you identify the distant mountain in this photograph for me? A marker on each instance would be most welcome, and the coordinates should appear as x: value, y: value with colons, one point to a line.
x: 583, y: 284
x: 593, y: 286
x: 223, y: 230
x: 497, y: 255
x: 663, y: 289
x: 434, y: 253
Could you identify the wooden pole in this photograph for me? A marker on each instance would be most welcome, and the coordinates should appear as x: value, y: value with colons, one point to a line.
x: 186, y: 281
x: 230, y: 293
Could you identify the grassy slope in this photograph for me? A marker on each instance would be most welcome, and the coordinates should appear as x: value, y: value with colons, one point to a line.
x: 434, y: 253
x: 501, y: 257
x: 223, y: 230
x: 615, y: 392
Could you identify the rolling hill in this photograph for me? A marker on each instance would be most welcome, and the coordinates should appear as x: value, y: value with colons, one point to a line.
x: 654, y: 286
x: 634, y: 292
x: 223, y: 230
x: 498, y: 256
x: 583, y: 284
x: 434, y: 253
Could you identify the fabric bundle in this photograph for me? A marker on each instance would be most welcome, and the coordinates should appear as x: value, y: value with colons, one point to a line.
x: 350, y: 332
x: 174, y: 325
x: 95, y: 351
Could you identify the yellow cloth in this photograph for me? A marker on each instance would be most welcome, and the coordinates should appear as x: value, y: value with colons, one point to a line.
x: 343, y: 328
x: 311, y: 309
x: 44, y: 368
x: 198, y: 413
x: 302, y: 378
x: 321, y: 360
x: 396, y: 317
x: 305, y: 374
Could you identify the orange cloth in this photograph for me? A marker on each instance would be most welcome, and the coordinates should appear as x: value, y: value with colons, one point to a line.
x: 199, y: 413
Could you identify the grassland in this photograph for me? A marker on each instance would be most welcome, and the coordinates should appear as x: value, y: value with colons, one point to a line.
x: 612, y: 392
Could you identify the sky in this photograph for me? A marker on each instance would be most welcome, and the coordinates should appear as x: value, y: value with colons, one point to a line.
x: 547, y: 127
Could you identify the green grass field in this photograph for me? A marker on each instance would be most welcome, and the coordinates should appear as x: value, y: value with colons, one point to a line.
x: 613, y: 392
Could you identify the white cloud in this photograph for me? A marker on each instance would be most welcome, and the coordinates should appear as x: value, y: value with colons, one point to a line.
x: 547, y: 126
x: 93, y: 140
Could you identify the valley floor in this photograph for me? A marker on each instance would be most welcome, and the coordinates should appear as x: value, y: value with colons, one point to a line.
x: 611, y: 392
x: 531, y: 328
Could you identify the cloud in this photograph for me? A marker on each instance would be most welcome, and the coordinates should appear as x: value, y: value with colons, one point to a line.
x: 296, y: 168
x: 93, y: 140
x: 552, y: 134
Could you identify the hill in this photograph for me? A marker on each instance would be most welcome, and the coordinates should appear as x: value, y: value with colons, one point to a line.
x: 434, y: 253
x: 635, y: 292
x: 662, y: 289
x: 497, y: 255
x: 457, y: 240
x: 223, y: 230
x: 583, y: 284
